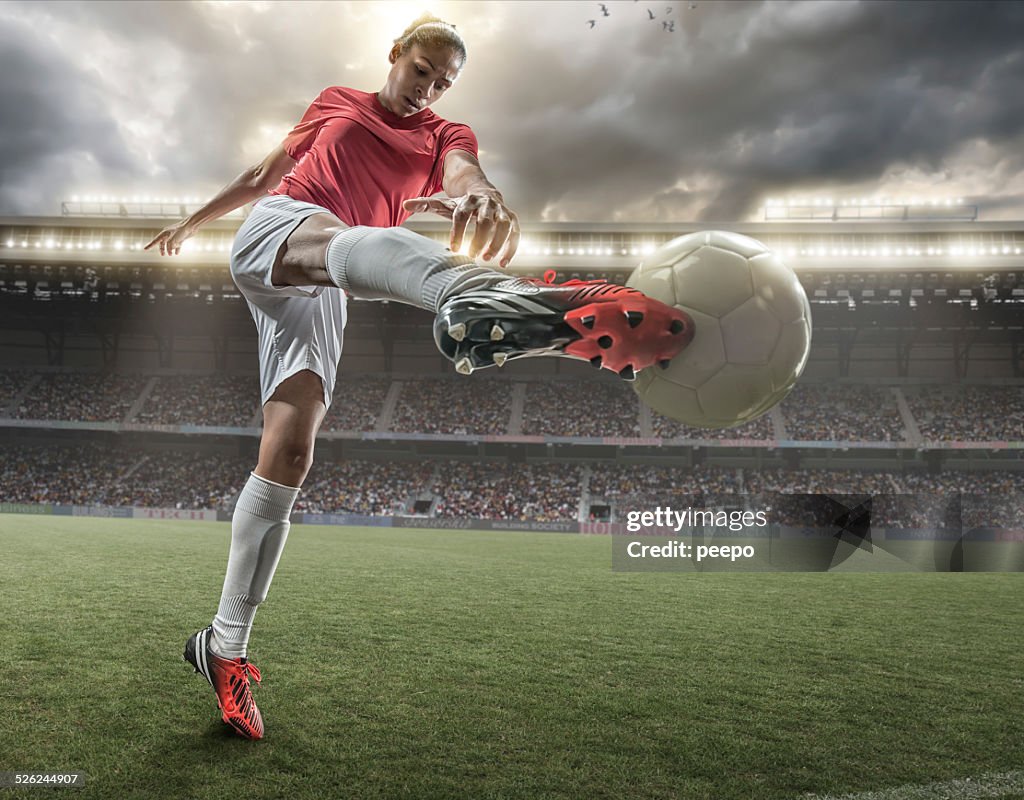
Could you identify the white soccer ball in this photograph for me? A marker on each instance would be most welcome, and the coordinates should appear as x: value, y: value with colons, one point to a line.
x: 752, y: 329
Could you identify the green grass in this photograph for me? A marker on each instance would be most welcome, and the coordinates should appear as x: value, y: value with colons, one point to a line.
x: 465, y: 664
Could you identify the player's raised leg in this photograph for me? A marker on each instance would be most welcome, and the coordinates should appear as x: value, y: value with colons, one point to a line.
x: 485, y: 317
x: 259, y: 530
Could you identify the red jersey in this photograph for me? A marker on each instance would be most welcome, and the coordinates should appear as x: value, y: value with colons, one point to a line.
x: 360, y: 161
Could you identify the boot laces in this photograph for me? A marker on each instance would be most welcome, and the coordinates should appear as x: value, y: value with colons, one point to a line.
x: 245, y: 670
x: 251, y: 670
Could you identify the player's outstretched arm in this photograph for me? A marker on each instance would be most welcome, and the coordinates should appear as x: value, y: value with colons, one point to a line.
x: 471, y: 197
x: 251, y: 184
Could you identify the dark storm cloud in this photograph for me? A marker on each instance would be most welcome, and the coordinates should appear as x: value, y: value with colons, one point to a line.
x: 54, y: 120
x: 743, y: 100
x: 766, y: 99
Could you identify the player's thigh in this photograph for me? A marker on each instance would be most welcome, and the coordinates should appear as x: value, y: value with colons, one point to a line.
x: 302, y: 258
x: 297, y: 405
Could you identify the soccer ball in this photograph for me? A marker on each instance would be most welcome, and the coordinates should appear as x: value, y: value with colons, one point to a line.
x: 752, y: 329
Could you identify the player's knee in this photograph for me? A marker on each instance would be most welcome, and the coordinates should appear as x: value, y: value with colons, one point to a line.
x: 296, y: 457
x: 286, y: 462
x: 397, y: 244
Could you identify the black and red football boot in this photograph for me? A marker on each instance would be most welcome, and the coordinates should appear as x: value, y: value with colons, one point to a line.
x: 611, y: 326
x: 229, y: 678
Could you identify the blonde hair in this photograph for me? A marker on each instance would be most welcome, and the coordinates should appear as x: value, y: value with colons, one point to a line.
x: 430, y: 31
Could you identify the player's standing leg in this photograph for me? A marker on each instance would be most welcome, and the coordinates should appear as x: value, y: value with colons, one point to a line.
x: 300, y: 337
x: 259, y: 530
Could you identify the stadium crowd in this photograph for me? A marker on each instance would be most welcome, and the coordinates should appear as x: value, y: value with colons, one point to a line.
x: 760, y: 428
x: 373, y: 488
x: 453, y: 406
x: 225, y: 400
x: 357, y: 403
x: 968, y: 413
x: 498, y: 490
x: 60, y: 474
x: 182, y: 479
x: 90, y: 474
x: 643, y: 487
x: 910, y: 499
x: 556, y: 407
x: 83, y: 397
x: 12, y: 381
x: 581, y: 408
x: 818, y: 481
x: 842, y: 413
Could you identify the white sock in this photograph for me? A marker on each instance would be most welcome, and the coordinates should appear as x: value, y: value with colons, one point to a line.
x: 397, y: 264
x: 259, y: 529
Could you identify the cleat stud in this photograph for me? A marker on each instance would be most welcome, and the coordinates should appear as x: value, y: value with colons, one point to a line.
x: 596, y: 361
x: 464, y: 366
x: 588, y: 321
x: 457, y: 331
x: 676, y: 326
x: 634, y: 318
x: 604, y: 342
x: 663, y: 363
x: 500, y: 359
x: 626, y: 373
x: 497, y: 334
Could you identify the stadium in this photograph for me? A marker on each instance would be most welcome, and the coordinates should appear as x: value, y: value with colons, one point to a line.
x: 129, y: 413
x: 751, y: 529
x: 913, y: 383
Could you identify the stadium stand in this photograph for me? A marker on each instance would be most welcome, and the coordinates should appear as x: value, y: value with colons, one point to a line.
x: 845, y: 412
x: 544, y: 492
x: 642, y: 487
x: 892, y: 302
x: 11, y: 383
x: 229, y: 400
x: 64, y: 475
x: 571, y: 408
x: 453, y: 406
x: 187, y: 479
x: 86, y: 397
x: 357, y: 404
x: 809, y: 481
x: 842, y: 413
x: 364, y: 487
x: 968, y: 413
x: 760, y: 428
x: 170, y: 479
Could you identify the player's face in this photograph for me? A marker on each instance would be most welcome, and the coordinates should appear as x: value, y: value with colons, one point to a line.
x: 418, y: 78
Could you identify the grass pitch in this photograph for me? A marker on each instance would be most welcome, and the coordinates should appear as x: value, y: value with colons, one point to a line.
x: 464, y: 664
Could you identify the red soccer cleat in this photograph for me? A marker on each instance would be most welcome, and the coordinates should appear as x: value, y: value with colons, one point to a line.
x: 610, y: 326
x: 230, y: 681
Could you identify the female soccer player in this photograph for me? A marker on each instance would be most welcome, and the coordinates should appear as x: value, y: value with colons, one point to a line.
x: 353, y: 169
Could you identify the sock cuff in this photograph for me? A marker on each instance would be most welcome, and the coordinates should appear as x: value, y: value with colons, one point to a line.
x: 338, y: 251
x: 267, y: 499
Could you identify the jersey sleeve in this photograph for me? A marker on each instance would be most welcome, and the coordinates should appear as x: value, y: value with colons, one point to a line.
x: 455, y: 136
x: 301, y: 137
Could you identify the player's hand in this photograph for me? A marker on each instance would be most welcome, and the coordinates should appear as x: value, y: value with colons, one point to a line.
x: 171, y: 238
x: 497, y: 226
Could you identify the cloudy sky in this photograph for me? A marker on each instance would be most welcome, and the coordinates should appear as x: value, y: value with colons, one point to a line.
x: 699, y: 113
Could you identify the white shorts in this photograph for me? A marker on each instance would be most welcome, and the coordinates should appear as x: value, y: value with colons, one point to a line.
x: 299, y: 328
